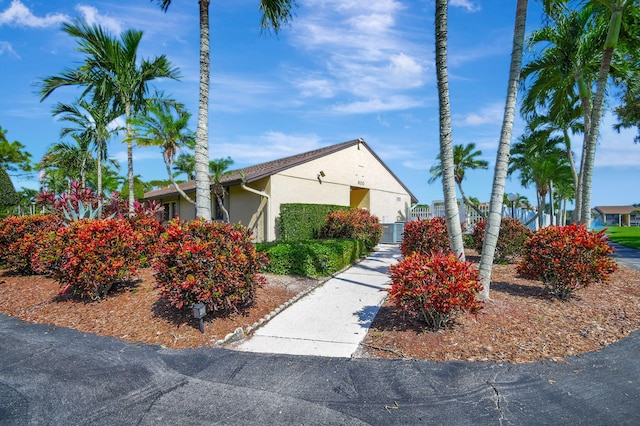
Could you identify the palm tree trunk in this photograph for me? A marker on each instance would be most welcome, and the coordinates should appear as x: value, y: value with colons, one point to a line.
x: 225, y: 212
x: 130, y: 158
x: 99, y: 172
x: 589, y: 147
x: 203, y: 182
x: 446, y: 140
x: 585, y: 98
x: 551, y: 205
x: 469, y: 203
x: 502, y: 160
x: 175, y: 185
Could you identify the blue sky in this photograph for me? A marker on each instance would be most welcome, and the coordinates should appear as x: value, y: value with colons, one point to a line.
x: 343, y: 69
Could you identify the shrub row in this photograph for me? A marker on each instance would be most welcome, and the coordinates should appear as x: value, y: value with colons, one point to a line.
x: 566, y: 258
x: 511, y: 239
x: 304, y: 221
x: 311, y: 257
x: 358, y: 224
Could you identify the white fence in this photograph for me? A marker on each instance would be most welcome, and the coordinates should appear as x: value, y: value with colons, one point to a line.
x: 469, y: 216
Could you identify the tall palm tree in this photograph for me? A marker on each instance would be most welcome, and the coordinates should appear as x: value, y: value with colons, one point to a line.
x: 165, y: 125
x: 275, y: 14
x: 113, y: 75
x: 465, y: 157
x: 558, y: 80
x: 446, y: 140
x: 92, y: 121
x: 615, y: 9
x: 502, y: 159
x: 218, y: 168
x: 540, y: 161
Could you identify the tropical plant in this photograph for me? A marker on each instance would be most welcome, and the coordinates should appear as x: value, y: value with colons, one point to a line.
x: 8, y: 194
x: 465, y: 157
x: 165, y: 124
x: 218, y: 168
x: 502, y: 158
x: 275, y: 13
x: 446, y: 141
x: 69, y: 160
x: 539, y: 161
x: 92, y: 122
x: 13, y: 155
x: 113, y: 75
x: 434, y: 288
x: 185, y: 163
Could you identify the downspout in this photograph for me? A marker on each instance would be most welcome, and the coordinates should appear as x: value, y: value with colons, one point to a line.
x: 268, y: 197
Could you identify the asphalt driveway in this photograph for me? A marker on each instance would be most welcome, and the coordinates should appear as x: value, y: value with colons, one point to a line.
x: 59, y: 376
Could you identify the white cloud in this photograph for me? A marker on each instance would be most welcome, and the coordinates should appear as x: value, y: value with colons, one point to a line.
x: 92, y: 17
x: 5, y: 47
x: 19, y: 15
x: 491, y: 114
x: 394, y: 103
x: 368, y: 51
x: 465, y: 4
x: 271, y: 145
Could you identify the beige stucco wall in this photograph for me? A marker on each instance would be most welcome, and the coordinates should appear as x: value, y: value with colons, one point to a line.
x: 351, y: 167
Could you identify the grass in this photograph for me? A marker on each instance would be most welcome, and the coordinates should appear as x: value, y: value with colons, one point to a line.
x: 626, y: 235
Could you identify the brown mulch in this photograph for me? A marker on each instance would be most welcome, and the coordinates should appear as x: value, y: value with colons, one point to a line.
x: 520, y: 323
x: 135, y: 313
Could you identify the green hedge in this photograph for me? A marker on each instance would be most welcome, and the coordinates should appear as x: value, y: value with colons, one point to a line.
x: 304, y: 221
x: 305, y: 257
x: 8, y: 195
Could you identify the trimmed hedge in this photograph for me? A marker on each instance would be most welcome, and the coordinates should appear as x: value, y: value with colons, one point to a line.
x: 304, y: 221
x: 305, y: 257
x: 8, y: 194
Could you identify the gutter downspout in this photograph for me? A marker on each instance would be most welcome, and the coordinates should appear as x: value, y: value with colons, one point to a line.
x: 268, y: 197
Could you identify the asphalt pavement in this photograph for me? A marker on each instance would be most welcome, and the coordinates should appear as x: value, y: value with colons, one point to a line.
x: 58, y: 376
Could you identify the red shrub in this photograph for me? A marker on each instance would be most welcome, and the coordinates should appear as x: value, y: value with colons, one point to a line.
x: 425, y: 236
x: 208, y: 262
x: 149, y: 230
x: 18, y: 239
x: 91, y: 255
x: 566, y: 258
x: 433, y: 288
x: 513, y: 235
x: 358, y: 224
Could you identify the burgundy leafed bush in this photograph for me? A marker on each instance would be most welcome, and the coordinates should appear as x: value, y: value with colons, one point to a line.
x: 19, y: 236
x: 208, y: 262
x: 90, y: 255
x: 433, y: 288
x: 358, y: 224
x: 425, y: 236
x: 513, y: 235
x: 566, y: 258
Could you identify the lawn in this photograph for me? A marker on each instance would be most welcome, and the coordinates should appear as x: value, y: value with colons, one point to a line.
x: 626, y: 235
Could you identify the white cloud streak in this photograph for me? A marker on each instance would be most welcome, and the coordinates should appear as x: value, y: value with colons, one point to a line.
x: 19, y: 15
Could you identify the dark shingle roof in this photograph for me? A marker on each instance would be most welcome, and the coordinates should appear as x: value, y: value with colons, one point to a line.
x: 259, y: 171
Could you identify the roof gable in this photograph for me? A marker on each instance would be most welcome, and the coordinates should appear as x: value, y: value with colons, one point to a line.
x: 259, y: 171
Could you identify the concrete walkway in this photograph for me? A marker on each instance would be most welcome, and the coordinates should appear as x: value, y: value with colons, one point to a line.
x: 333, y: 319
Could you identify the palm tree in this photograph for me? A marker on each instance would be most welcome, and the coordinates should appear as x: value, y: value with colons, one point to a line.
x: 165, y: 125
x: 464, y: 158
x: 558, y: 80
x: 446, y: 155
x: 185, y: 163
x: 502, y: 160
x: 539, y: 161
x: 67, y: 162
x: 218, y: 168
x: 275, y: 13
x: 616, y: 9
x: 92, y: 122
x: 113, y: 75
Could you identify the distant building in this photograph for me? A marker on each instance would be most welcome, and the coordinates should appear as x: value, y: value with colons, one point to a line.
x: 616, y: 215
x: 346, y: 174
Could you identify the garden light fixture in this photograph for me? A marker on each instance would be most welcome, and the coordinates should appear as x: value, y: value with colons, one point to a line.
x: 199, y: 311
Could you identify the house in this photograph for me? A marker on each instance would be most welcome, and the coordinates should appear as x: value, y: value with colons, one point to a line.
x: 346, y: 174
x: 617, y: 215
